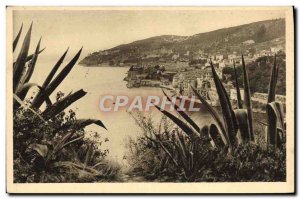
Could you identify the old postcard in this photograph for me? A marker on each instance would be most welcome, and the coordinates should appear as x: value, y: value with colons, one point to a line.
x: 150, y: 100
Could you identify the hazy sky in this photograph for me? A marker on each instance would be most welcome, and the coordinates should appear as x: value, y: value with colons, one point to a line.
x: 98, y: 30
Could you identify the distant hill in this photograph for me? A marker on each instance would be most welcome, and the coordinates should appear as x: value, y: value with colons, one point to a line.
x: 258, y: 36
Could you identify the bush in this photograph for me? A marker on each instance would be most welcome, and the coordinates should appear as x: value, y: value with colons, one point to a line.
x: 34, y: 140
x: 49, y: 145
x: 248, y: 162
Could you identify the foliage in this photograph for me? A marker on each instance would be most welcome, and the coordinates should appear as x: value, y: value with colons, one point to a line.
x: 193, y: 151
x: 249, y: 162
x: 49, y: 145
x: 45, y: 152
x: 259, y: 74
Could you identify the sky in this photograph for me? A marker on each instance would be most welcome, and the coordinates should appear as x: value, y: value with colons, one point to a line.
x: 102, y: 29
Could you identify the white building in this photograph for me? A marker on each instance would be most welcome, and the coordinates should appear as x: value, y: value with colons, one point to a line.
x: 248, y: 42
x: 275, y: 49
x: 219, y: 57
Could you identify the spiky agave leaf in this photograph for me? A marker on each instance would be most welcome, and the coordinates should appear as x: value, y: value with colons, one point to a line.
x: 182, y: 113
x: 85, y: 122
x: 182, y: 144
x: 60, y: 144
x: 273, y: 82
x: 200, y: 166
x: 238, y: 92
x: 247, y: 99
x: 26, y: 75
x: 29, y: 57
x: 205, y: 132
x: 25, y: 88
x: 38, y: 100
x: 59, y: 106
x: 227, y: 111
x: 19, y: 66
x: 280, y: 112
x: 215, y: 136
x: 54, y: 69
x: 179, y: 123
x: 158, y: 140
x: 243, y: 134
x: 66, y: 140
x: 32, y: 63
x: 215, y: 116
x: 183, y: 157
x: 271, y: 129
x: 81, y: 123
x: 15, y: 43
x: 62, y: 75
x: 275, y: 115
x: 73, y: 141
x: 59, y: 78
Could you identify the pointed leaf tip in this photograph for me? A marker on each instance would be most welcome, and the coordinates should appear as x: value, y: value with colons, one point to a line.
x: 15, y: 42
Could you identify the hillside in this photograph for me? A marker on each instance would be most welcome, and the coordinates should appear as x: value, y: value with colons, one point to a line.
x: 255, y: 36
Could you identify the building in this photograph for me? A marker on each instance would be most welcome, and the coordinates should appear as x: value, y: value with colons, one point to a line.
x: 275, y: 49
x: 219, y: 57
x: 248, y: 42
x: 231, y: 57
x: 175, y: 56
x: 198, y: 78
x: 168, y: 75
x: 266, y: 53
x: 176, y: 81
x: 134, y: 71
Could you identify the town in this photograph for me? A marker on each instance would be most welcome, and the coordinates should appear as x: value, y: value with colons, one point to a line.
x: 196, y: 72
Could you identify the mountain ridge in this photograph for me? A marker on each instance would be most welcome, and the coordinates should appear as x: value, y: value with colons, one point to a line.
x: 164, y: 47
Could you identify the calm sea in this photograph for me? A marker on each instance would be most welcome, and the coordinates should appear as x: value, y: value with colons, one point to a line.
x: 99, y: 81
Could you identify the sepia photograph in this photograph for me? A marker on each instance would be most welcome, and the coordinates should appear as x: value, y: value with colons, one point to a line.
x: 150, y: 100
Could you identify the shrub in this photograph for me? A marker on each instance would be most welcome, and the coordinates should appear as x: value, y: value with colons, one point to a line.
x: 250, y: 162
x: 227, y: 150
x: 50, y: 145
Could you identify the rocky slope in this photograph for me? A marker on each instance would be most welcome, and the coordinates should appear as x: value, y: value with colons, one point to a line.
x: 258, y: 36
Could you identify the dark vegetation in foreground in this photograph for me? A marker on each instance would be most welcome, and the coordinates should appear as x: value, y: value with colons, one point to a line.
x: 236, y: 147
x: 50, y: 145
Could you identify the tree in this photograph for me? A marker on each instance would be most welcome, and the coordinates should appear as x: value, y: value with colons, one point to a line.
x: 260, y: 34
x: 259, y: 74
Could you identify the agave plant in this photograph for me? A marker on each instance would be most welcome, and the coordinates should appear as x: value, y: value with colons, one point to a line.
x: 46, y: 151
x: 178, y: 152
x: 236, y: 127
x: 275, y: 112
x: 22, y: 72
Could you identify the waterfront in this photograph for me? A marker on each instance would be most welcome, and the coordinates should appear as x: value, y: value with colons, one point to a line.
x: 105, y: 80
